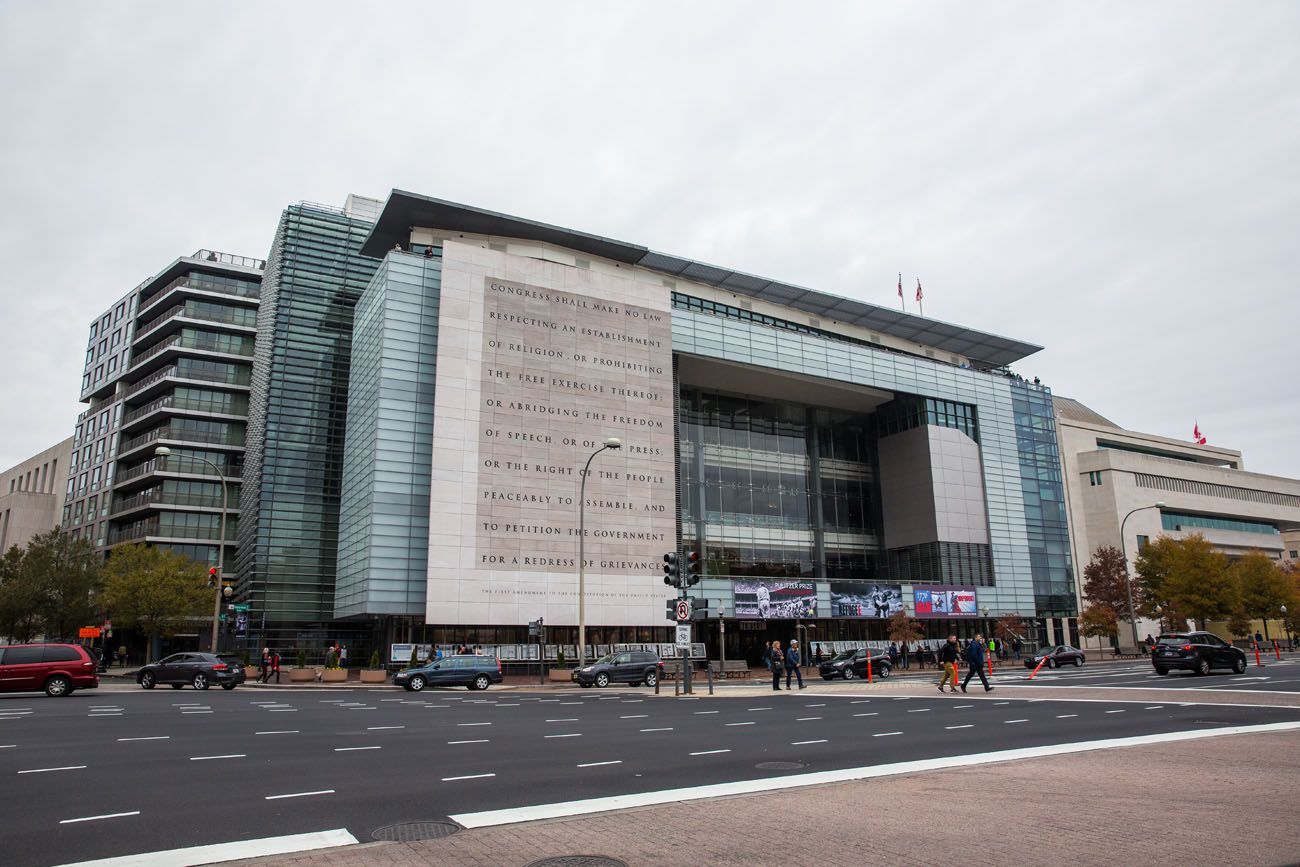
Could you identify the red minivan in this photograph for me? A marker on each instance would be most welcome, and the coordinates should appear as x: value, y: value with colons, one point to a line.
x: 56, y: 668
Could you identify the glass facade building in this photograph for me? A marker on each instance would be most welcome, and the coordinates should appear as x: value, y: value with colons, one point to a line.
x: 289, y: 502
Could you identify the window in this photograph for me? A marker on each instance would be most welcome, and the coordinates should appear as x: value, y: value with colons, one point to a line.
x: 62, y: 654
x: 112, y: 364
x: 1142, y: 542
x: 1094, y: 479
x: 117, y: 337
x: 23, y: 655
x: 1178, y: 521
x: 117, y: 314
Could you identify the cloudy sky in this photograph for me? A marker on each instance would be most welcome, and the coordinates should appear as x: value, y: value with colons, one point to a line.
x: 1117, y: 182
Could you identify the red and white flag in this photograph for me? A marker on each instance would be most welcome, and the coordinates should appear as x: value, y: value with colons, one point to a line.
x: 919, y: 294
x: 1197, y: 436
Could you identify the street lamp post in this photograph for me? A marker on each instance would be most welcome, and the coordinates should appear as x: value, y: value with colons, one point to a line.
x: 1128, y: 582
x: 163, y: 452
x: 610, y: 443
x: 1286, y: 627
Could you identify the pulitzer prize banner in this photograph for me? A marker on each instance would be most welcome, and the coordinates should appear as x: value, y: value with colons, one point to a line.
x: 776, y: 599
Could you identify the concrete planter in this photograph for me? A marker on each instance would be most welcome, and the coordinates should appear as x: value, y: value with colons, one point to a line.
x: 302, y: 675
x: 334, y: 675
x: 374, y: 675
x: 563, y: 675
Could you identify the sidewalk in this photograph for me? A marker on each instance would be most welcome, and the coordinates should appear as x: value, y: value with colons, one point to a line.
x: 1145, y: 805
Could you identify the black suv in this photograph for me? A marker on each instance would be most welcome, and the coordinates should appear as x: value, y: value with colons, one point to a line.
x: 633, y: 667
x: 199, y: 669
x: 853, y: 663
x: 1196, y: 651
x: 474, y: 672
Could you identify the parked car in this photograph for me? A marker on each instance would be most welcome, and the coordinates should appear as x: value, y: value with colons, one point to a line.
x: 1061, y: 654
x: 853, y: 663
x: 475, y: 672
x: 56, y: 668
x: 201, y: 670
x: 633, y: 667
x: 1196, y: 651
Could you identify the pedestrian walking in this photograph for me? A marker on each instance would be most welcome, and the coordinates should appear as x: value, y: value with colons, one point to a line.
x: 948, y: 660
x: 343, y: 656
x: 893, y: 655
x: 792, y: 664
x: 975, y: 663
x: 766, y: 658
x: 819, y: 655
x: 776, y: 660
x: 1015, y: 648
x: 275, y: 666
x: 264, y: 667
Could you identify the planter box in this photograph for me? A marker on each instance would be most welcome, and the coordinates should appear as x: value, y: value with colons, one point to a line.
x: 302, y: 675
x: 562, y: 675
x: 377, y: 675
x: 334, y: 675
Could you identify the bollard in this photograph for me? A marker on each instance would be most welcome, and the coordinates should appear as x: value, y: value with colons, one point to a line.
x: 1255, y: 647
x: 1036, y: 667
x: 1277, y: 649
x: 709, y: 670
x: 868, y: 667
x: 990, y: 665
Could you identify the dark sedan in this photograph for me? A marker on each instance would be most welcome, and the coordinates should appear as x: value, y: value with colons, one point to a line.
x: 200, y: 670
x: 853, y: 664
x: 1196, y: 651
x: 1061, y: 654
x: 474, y: 672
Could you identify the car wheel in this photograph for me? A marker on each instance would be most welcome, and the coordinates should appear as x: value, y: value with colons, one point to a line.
x: 57, y: 686
x: 1078, y: 661
x: 482, y: 682
x: 652, y: 679
x: 602, y: 680
x: 227, y: 686
x: 1239, y: 665
x: 1161, y: 671
x: 147, y: 680
x: 416, y: 684
x: 1202, y: 666
x: 849, y: 674
x: 1051, y: 663
x: 884, y: 672
x: 200, y: 681
x: 176, y: 685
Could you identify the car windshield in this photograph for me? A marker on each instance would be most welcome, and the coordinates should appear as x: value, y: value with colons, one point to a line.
x: 609, y: 657
x: 1174, y: 639
x: 846, y: 655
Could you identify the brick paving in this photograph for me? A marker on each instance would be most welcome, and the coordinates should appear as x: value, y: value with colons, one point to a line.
x: 1167, y: 804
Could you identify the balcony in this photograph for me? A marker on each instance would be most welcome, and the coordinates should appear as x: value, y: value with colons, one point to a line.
x: 157, y: 497
x: 172, y: 347
x: 152, y: 529
x: 157, y: 382
x: 140, y: 416
x: 237, y: 321
x: 178, y: 466
x: 223, y: 441
x: 194, y: 286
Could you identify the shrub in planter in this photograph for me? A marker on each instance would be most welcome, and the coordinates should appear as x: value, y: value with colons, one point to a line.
x: 301, y: 658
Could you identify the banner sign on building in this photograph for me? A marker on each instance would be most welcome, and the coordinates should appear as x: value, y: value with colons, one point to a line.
x: 864, y: 599
x: 776, y: 599
x: 941, y: 601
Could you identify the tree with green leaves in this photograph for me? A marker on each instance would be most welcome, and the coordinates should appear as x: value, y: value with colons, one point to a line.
x: 1099, y: 621
x: 18, y: 599
x: 1239, y: 625
x: 48, y: 588
x: 1186, y: 578
x: 1154, y: 567
x: 154, y: 590
x: 1105, y: 579
x: 1263, y: 587
x: 903, y: 629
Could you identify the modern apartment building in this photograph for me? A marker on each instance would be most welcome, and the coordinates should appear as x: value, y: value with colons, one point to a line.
x: 1125, y: 488
x: 833, y: 461
x: 169, y: 365
x: 31, y: 495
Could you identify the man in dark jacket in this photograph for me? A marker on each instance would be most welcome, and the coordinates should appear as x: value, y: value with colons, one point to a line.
x: 948, y: 659
x: 792, y: 661
x: 975, y: 661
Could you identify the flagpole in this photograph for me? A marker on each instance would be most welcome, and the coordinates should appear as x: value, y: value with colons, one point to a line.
x: 902, y: 302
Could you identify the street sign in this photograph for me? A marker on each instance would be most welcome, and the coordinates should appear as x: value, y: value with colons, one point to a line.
x: 241, y: 606
x: 88, y: 632
x: 683, y: 635
x: 683, y: 610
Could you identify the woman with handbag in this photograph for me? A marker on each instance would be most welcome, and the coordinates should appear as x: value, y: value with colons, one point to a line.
x: 777, y: 662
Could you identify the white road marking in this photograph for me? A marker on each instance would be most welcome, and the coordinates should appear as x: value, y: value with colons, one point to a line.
x: 284, y: 732
x: 284, y: 710
x: 509, y: 816
x: 574, y: 735
x: 757, y: 708
x: 964, y: 726
x: 823, y: 704
x: 740, y: 724
x: 633, y: 700
x: 480, y: 741
x: 700, y: 712
x: 873, y: 713
x: 960, y: 706
x: 184, y: 712
x: 570, y: 702
x: 97, y: 818
x: 806, y: 718
x: 47, y: 770
x: 803, y: 743
x: 382, y: 728
x: 919, y: 710
x: 996, y: 703
x: 7, y: 746
x: 1066, y: 715
x: 507, y: 705
x: 1013, y: 721
x: 885, y: 734
x: 598, y: 764
x: 657, y: 730
x: 98, y: 715
x: 1154, y: 707
x: 153, y: 738
x: 861, y: 701
x: 299, y: 794
x: 467, y: 777
x: 473, y: 724
x: 1114, y: 711
x: 210, y: 758
x: 709, y: 752
x: 354, y: 749
x: 635, y: 716
x: 566, y: 719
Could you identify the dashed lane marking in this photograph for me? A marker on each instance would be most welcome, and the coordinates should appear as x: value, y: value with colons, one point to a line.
x: 383, y: 728
x: 573, y: 735
x: 479, y: 741
x: 467, y: 777
x: 806, y: 718
x: 299, y: 794
x: 740, y: 724
x: 151, y: 738
x: 213, y: 758
x: 1066, y: 715
x: 885, y: 734
x: 709, y: 752
x: 48, y: 770
x: 354, y: 749
x: 599, y: 764
x: 97, y: 818
x: 805, y: 743
x: 283, y: 732
x: 963, y: 726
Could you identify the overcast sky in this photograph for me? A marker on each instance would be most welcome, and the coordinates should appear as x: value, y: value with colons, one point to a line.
x: 1117, y: 182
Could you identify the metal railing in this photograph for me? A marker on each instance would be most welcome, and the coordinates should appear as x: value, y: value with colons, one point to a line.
x: 139, y: 530
x: 239, y: 317
x: 187, y: 282
x: 233, y: 473
x: 161, y: 496
x: 181, y: 435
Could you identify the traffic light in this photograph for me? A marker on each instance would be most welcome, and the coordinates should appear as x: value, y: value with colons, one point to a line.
x: 671, y: 576
x: 670, y: 609
x: 212, y: 577
x: 693, y: 565
x: 699, y: 608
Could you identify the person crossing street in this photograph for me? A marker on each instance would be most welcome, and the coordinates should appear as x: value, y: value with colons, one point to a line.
x: 792, y: 661
x: 948, y: 659
x: 975, y: 663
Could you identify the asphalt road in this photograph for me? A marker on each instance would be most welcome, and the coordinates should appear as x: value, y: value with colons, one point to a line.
x: 176, y: 768
x: 1273, y: 676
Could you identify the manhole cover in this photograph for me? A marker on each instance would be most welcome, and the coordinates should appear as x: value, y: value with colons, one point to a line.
x: 406, y: 832
x: 578, y: 861
x: 780, y: 766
